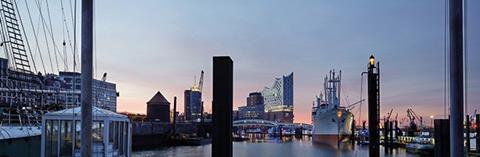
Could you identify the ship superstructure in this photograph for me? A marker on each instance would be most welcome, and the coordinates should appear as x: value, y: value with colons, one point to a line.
x: 331, y: 122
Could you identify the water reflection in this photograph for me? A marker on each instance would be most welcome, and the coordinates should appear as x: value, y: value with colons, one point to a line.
x: 263, y: 145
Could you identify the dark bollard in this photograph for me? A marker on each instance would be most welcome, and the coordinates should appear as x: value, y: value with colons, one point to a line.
x: 442, y: 138
x: 390, y: 130
x: 174, y: 128
x: 467, y: 133
x: 222, y: 107
x: 477, y: 130
x: 385, y: 136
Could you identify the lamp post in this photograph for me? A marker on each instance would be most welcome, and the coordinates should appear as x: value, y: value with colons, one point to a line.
x: 373, y: 106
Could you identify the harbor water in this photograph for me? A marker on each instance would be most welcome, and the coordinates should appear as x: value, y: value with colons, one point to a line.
x: 284, y: 147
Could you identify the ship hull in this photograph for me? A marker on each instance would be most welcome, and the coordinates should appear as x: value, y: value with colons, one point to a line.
x: 332, y: 127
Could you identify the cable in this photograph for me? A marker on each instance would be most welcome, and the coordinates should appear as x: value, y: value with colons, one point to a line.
x: 65, y: 25
x: 55, y: 46
x: 45, y: 35
x: 465, y: 57
x: 74, y: 36
x: 35, y: 35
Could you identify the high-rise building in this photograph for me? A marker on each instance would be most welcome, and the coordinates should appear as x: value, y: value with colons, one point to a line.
x: 255, y: 98
x: 279, y: 100
x: 193, y: 104
x: 158, y: 109
x: 255, y: 108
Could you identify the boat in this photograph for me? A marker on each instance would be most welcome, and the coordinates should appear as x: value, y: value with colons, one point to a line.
x: 332, y: 123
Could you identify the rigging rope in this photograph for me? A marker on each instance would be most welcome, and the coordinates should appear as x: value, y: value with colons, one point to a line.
x: 74, y: 35
x: 65, y: 25
x: 45, y: 35
x: 56, y: 49
x: 465, y: 57
x: 35, y: 36
x: 49, y: 25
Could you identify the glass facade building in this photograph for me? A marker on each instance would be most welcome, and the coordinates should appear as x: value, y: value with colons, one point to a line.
x: 279, y: 100
x: 192, y: 105
x: 104, y: 93
x: 255, y: 108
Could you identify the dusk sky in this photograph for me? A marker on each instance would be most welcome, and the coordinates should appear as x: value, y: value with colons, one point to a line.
x: 150, y: 45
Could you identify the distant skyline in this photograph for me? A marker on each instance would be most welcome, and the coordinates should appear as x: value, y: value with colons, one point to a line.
x: 169, y: 42
x: 149, y: 46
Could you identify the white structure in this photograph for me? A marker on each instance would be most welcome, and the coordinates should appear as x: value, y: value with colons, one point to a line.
x: 61, y: 133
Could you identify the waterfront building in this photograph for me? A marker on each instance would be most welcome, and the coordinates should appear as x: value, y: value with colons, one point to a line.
x: 279, y: 100
x: 104, y: 93
x: 193, y: 104
x: 251, y: 112
x: 158, y: 109
x: 235, y: 115
x: 255, y: 108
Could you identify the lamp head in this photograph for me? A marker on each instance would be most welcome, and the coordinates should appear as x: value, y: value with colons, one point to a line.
x: 372, y: 60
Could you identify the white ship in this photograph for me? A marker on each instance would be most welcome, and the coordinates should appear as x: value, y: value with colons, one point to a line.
x: 332, y: 124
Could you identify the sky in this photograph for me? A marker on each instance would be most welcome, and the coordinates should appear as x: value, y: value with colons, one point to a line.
x: 150, y: 45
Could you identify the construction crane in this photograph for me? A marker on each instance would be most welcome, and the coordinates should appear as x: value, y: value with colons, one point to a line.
x: 200, y: 82
x: 389, y: 115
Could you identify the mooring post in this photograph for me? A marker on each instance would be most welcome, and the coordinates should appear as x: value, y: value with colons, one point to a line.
x: 390, y: 130
x: 174, y: 128
x: 222, y: 107
x: 467, y: 133
x: 441, y: 137
x: 87, y: 77
x: 373, y: 107
x: 385, y: 137
x: 456, y: 78
x: 477, y: 130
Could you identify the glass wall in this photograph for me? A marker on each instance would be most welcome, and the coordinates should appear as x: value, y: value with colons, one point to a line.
x: 62, y: 138
x: 51, y: 138
x: 97, y: 131
x: 66, y: 138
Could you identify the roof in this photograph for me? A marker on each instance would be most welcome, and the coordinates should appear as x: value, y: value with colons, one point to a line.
x: 158, y: 98
x: 10, y: 132
x: 98, y: 113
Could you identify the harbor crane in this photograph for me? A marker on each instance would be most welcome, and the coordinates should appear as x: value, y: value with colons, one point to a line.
x: 389, y: 115
x: 412, y: 116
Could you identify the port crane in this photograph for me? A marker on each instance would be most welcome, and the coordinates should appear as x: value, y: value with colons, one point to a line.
x: 200, y: 82
x: 412, y: 116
